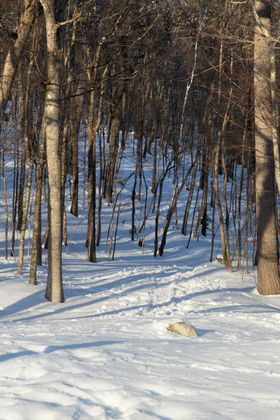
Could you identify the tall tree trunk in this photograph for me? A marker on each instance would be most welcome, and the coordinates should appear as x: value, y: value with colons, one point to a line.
x: 75, y: 130
x: 93, y: 124
x: 275, y: 122
x: 267, y: 243
x: 6, y: 200
x: 112, y: 158
x: 24, y: 218
x: 54, y: 291
x: 36, y: 253
x: 91, y: 242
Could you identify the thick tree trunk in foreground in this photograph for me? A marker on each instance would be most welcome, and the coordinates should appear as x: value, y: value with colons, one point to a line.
x: 54, y: 291
x: 267, y: 244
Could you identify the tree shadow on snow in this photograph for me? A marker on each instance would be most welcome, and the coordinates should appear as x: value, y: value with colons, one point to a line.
x: 23, y: 304
x: 52, y: 349
x: 145, y: 306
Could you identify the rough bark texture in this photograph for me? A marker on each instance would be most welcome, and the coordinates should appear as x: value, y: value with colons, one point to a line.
x: 111, y: 165
x: 36, y: 239
x: 275, y: 122
x: 267, y: 244
x: 54, y: 290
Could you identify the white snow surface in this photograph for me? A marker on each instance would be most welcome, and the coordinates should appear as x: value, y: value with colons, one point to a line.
x: 106, y: 353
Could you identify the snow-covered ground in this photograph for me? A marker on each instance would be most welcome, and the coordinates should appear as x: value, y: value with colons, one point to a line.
x: 106, y: 353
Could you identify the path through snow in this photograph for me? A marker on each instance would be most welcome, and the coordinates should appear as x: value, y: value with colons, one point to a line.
x: 106, y: 353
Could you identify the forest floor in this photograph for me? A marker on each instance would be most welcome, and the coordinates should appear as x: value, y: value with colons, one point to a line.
x: 106, y: 353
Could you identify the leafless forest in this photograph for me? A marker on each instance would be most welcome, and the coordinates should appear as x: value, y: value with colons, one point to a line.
x: 194, y: 85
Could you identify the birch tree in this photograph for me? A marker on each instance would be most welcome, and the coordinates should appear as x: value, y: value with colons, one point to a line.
x: 54, y: 291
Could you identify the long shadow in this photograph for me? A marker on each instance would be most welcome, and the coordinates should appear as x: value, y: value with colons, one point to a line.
x: 222, y: 290
x: 28, y: 302
x: 125, y: 280
x: 67, y: 308
x: 90, y: 344
x: 148, y: 306
x: 9, y: 356
x: 7, y: 271
x: 151, y: 307
x: 23, y: 304
x: 52, y: 349
x: 171, y: 255
x: 244, y: 309
x: 134, y: 277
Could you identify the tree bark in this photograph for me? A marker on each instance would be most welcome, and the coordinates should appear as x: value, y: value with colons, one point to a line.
x: 54, y: 291
x: 36, y: 253
x: 14, y: 55
x: 267, y: 241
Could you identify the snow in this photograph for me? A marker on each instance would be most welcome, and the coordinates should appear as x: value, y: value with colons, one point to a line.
x: 106, y: 352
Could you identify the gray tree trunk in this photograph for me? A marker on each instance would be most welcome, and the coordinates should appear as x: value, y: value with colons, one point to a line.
x: 267, y: 243
x: 54, y: 291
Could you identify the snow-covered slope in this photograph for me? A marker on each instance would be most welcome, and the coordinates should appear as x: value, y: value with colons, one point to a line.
x: 106, y: 353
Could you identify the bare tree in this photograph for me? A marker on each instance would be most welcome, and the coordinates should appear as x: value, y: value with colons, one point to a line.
x: 54, y: 290
x: 267, y: 243
x: 15, y: 53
